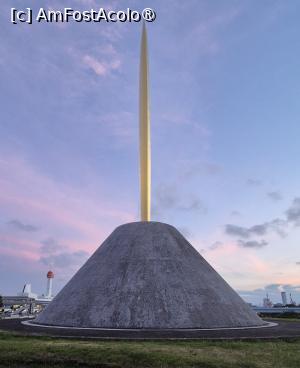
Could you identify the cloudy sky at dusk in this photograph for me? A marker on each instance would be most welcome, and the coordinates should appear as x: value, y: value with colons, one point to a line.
x: 225, y: 112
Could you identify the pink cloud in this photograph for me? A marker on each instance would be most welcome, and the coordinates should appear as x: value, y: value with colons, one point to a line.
x: 77, y: 217
x: 242, y: 268
x: 101, y: 68
x: 20, y: 253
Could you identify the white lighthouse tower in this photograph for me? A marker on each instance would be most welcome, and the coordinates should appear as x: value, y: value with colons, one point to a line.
x: 50, y: 277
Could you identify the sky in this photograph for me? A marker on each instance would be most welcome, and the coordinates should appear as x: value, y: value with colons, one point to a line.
x: 225, y: 115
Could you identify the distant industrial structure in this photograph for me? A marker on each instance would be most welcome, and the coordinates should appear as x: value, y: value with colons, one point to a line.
x: 27, y: 302
x: 47, y: 297
x: 50, y: 277
x: 26, y: 292
x: 267, y: 303
x: 278, y: 308
x: 283, y: 297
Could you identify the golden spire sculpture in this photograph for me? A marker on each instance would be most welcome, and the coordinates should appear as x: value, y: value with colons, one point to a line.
x: 145, y: 145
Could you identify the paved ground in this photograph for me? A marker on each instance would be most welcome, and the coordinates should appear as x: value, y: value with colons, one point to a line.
x: 284, y: 329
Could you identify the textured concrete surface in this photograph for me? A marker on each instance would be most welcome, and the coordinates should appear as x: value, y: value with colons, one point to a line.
x: 147, y: 275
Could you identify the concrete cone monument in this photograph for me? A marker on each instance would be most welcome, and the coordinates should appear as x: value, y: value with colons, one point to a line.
x: 146, y: 275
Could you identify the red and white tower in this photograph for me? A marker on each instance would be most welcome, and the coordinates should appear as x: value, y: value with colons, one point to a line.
x: 50, y: 277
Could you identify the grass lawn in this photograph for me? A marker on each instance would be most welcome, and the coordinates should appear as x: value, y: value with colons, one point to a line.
x: 20, y: 351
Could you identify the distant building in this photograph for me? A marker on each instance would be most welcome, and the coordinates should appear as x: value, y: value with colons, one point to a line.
x: 27, y: 300
x: 292, y: 301
x: 48, y: 296
x: 267, y: 303
x: 9, y: 301
x: 50, y: 277
x: 27, y: 292
x: 278, y: 305
x: 283, y: 298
